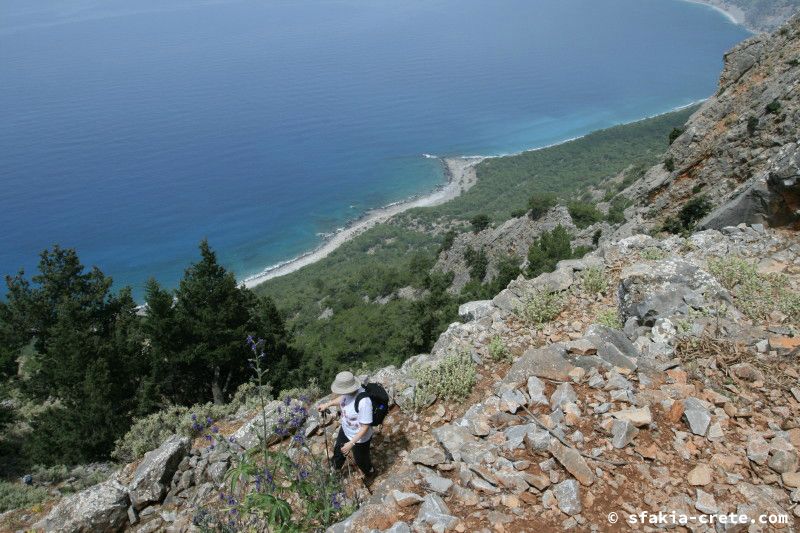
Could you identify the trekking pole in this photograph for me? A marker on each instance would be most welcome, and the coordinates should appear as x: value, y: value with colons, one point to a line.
x: 325, y: 437
x: 353, y: 489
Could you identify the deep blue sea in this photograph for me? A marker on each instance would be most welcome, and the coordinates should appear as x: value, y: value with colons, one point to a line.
x: 132, y: 129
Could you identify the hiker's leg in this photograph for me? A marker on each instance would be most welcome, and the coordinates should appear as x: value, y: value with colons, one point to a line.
x: 338, y: 456
x: 362, y: 457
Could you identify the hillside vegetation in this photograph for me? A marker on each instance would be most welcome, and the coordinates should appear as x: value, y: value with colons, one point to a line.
x: 345, y: 309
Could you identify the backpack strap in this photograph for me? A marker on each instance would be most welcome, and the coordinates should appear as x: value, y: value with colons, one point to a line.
x: 359, y: 397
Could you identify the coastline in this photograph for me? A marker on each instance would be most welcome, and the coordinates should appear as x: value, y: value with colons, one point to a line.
x: 461, y: 176
x: 733, y: 13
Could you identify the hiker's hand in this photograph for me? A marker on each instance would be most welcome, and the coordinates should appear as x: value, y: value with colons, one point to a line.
x: 322, y: 407
x: 347, y: 447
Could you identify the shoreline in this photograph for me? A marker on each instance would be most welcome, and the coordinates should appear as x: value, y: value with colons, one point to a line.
x: 461, y: 175
x: 732, y: 13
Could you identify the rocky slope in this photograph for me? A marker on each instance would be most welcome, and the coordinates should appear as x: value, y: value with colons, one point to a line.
x: 691, y: 407
x: 740, y: 149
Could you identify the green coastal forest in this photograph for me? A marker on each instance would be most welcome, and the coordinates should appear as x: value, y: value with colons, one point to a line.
x: 80, y: 365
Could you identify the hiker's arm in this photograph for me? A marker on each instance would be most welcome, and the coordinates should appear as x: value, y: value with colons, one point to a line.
x: 357, y: 437
x: 327, y: 405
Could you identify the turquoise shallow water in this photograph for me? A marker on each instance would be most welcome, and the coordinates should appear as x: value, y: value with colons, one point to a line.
x: 133, y: 131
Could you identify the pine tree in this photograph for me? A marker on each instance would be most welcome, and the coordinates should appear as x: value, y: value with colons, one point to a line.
x: 86, y: 349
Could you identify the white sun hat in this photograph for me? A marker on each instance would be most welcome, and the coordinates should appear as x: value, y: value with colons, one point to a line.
x: 345, y: 383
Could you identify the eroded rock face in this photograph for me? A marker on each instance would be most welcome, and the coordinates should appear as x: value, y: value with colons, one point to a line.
x: 151, y: 479
x: 102, y: 508
x: 739, y: 150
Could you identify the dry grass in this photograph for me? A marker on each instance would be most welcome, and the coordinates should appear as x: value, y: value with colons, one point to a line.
x: 725, y: 354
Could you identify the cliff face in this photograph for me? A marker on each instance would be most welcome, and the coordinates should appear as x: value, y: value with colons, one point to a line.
x: 740, y: 149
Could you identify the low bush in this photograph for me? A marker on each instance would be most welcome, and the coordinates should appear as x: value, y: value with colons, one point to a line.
x: 669, y: 164
x: 452, y: 379
x: 584, y: 214
x: 148, y: 432
x: 774, y: 107
x: 752, y: 125
x: 595, y: 280
x: 540, y: 204
x: 694, y: 210
x: 756, y: 295
x: 447, y: 242
x: 498, y: 350
x: 652, y: 254
x: 480, y: 222
x: 609, y: 318
x: 15, y: 495
x: 675, y: 133
x: 616, y: 211
x: 550, y: 248
x: 542, y: 307
x: 477, y: 263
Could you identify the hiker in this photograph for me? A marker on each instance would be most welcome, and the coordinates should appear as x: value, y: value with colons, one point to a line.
x: 356, y: 422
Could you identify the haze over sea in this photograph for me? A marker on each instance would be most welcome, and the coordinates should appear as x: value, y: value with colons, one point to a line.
x: 131, y: 130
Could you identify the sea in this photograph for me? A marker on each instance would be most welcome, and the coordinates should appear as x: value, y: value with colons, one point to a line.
x: 132, y: 129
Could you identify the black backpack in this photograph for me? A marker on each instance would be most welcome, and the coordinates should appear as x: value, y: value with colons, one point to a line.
x: 380, y: 401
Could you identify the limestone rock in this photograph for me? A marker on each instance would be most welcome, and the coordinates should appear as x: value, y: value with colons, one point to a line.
x: 152, y: 476
x: 547, y: 363
x: 572, y: 460
x: 427, y: 455
x: 568, y: 496
x: 102, y: 508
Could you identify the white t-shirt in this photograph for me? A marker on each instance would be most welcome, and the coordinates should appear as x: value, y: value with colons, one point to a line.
x: 352, y: 420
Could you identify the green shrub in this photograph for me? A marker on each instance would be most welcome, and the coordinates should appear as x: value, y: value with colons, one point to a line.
x: 310, y: 393
x: 16, y: 495
x: 480, y: 222
x: 756, y: 295
x: 672, y: 225
x: 596, y: 237
x: 149, y: 432
x: 477, y: 263
x: 752, y: 125
x: 616, y: 212
x: 595, y: 280
x: 498, y: 350
x: 447, y: 242
x: 669, y: 164
x: 516, y: 213
x: 675, y: 133
x: 584, y: 214
x: 774, y: 107
x: 694, y: 210
x: 652, y: 254
x: 540, y: 204
x: 542, y: 307
x: 610, y: 318
x: 452, y: 379
x: 546, y: 251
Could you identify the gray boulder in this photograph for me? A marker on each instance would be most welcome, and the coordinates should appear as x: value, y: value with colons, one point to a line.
x: 613, y: 346
x: 568, y: 496
x: 153, y: 475
x: 427, y: 455
x: 649, y: 291
x: 435, y: 513
x: 475, y: 310
x: 102, y: 508
x: 548, y: 363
